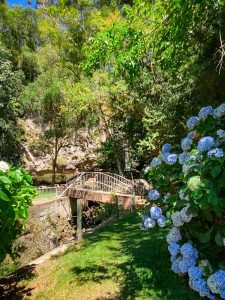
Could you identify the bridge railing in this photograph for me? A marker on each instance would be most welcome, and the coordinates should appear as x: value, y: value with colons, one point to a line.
x: 106, y: 182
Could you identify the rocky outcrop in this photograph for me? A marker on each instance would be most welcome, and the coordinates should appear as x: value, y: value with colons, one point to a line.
x: 80, y: 153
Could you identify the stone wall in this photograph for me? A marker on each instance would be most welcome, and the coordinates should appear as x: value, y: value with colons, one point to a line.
x: 55, y: 207
x: 49, y: 226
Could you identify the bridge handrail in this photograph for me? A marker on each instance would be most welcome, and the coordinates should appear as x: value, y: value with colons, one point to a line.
x: 68, y: 186
x: 115, y: 181
x: 107, y: 182
x: 101, y: 181
x: 114, y: 188
x: 116, y: 177
x: 119, y: 176
x: 104, y: 173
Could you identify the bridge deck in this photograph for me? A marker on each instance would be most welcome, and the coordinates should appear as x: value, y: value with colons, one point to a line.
x: 105, y: 197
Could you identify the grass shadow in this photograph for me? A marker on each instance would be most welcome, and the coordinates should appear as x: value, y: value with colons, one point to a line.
x: 94, y: 273
x: 147, y: 273
x: 11, y: 287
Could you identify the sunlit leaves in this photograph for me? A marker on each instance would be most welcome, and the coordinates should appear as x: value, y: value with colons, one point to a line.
x: 16, y: 193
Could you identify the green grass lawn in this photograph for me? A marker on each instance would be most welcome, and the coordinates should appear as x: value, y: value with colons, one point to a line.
x: 44, y: 196
x: 119, y: 261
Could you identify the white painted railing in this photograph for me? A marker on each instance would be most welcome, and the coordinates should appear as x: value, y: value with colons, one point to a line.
x: 105, y: 182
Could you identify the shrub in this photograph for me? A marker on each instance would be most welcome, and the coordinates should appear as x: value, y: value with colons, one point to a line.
x: 16, y: 193
x: 190, y: 189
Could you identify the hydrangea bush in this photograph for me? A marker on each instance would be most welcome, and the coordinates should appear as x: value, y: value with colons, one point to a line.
x: 189, y: 189
x: 16, y: 193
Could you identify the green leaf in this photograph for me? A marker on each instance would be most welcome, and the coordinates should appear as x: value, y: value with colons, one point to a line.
x: 213, y: 199
x: 5, y: 180
x: 23, y: 212
x: 215, y: 171
x: 203, y: 237
x: 3, y: 196
x: 222, y: 266
x: 192, y: 210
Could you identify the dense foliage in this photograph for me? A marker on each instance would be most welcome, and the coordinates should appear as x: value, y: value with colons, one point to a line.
x: 190, y: 189
x: 140, y: 67
x: 16, y: 193
x: 10, y: 86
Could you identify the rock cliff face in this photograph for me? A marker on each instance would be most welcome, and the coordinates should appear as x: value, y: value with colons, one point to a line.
x: 80, y: 154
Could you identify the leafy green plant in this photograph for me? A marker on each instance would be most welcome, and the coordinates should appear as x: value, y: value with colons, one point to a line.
x: 16, y: 193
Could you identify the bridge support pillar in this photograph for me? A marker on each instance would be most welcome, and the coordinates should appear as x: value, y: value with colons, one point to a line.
x: 79, y: 219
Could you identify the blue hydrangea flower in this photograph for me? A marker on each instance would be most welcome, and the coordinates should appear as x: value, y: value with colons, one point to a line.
x: 155, y: 212
x: 205, y: 112
x: 174, y: 249
x: 166, y: 148
x: 222, y: 294
x: 177, y: 219
x: 212, y: 284
x: 192, y: 122
x: 191, y: 134
x: 155, y: 162
x: 199, y: 285
x: 184, y: 157
x: 219, y: 277
x: 161, y: 221
x: 185, y: 215
x: 164, y: 156
x: 195, y: 273
x: 173, y: 236
x: 219, y: 111
x: 149, y: 223
x: 188, y: 251
x: 172, y: 258
x: 170, y: 159
x: 185, y: 264
x: 153, y: 194
x: 216, y: 282
x: 144, y: 217
x: 206, y: 143
x: 175, y: 265
x: 186, y: 144
x: 221, y: 134
x: 217, y: 152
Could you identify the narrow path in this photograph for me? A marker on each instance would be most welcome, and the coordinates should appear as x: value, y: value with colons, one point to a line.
x: 119, y: 261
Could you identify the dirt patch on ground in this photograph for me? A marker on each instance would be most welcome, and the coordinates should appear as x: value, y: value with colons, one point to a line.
x: 43, y: 236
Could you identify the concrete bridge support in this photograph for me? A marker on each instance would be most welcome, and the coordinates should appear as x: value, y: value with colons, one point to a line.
x: 76, y: 212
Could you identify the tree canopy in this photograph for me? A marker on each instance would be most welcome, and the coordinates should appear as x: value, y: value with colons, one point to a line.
x: 143, y: 66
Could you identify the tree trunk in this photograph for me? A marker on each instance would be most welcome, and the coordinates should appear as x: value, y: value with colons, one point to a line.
x: 54, y: 161
x: 119, y: 166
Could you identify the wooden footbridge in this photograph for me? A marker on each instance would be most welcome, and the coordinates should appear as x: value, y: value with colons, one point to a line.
x: 103, y: 188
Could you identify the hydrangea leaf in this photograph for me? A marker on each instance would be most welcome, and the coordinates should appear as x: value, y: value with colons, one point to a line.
x: 203, y: 237
x: 215, y: 171
x: 222, y: 266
